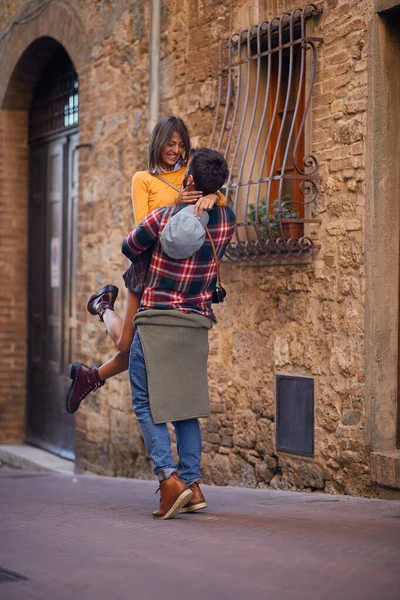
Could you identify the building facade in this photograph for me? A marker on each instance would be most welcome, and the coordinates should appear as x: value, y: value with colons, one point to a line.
x: 304, y: 361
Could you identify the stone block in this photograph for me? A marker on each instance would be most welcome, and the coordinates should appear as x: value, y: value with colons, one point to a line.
x: 385, y: 468
x: 351, y: 418
x: 343, y: 357
x: 348, y: 132
x: 217, y: 407
x: 309, y: 475
x: 245, y: 429
x: 212, y: 425
x: 298, y: 281
x: 220, y: 470
x: 275, y: 482
x: 349, y: 286
x: 337, y: 106
x: 213, y: 438
x: 265, y: 471
x: 243, y: 473
x: 227, y: 441
x: 265, y: 441
x: 207, y: 447
x: 281, y: 352
x: 262, y: 400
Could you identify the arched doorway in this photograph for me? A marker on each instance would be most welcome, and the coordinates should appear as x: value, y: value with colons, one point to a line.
x: 53, y: 188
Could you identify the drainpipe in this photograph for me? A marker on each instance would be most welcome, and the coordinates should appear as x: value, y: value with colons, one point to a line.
x: 154, y: 74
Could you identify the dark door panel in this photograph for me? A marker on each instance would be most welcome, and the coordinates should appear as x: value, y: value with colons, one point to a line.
x: 51, y: 272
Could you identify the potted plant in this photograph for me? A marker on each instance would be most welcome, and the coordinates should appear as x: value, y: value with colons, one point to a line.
x: 285, y: 210
x: 261, y: 217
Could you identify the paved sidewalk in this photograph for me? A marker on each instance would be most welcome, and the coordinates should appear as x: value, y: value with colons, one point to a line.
x: 93, y: 538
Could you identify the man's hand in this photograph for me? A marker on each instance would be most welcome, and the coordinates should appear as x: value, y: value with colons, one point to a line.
x: 205, y: 203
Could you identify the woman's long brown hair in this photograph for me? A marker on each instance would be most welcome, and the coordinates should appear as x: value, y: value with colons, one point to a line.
x: 161, y: 135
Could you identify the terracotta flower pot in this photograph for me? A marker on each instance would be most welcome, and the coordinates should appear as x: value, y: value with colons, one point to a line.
x: 292, y: 230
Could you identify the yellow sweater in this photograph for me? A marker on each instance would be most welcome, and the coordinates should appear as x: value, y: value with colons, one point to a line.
x: 149, y: 192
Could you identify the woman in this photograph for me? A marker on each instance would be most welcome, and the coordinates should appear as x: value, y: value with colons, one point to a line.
x: 169, y: 151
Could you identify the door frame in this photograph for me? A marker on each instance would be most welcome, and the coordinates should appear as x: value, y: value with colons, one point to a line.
x: 382, y: 243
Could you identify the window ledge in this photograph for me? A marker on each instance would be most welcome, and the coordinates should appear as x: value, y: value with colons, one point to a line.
x: 385, y: 468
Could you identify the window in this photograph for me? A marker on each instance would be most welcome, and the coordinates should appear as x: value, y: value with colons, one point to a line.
x: 265, y: 84
x: 55, y: 102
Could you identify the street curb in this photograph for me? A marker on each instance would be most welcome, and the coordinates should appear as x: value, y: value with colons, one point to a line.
x: 28, y: 458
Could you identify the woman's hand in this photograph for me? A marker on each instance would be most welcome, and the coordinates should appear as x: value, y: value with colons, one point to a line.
x: 188, y: 195
x: 205, y: 203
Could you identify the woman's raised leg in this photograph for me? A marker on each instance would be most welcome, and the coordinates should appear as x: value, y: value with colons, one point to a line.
x: 119, y: 330
x: 85, y: 379
x: 115, y: 365
x: 113, y: 323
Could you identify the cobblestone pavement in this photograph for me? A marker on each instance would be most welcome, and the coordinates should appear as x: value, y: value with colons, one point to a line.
x: 93, y: 538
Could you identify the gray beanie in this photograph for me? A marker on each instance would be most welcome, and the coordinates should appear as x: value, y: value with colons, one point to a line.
x: 184, y: 233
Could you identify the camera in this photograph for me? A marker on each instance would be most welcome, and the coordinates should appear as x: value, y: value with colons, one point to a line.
x: 218, y: 295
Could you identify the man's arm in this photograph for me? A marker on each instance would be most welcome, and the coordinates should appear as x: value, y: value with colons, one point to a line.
x: 227, y: 226
x: 144, y: 235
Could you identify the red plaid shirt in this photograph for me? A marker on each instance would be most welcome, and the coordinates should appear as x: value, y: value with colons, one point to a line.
x: 186, y: 285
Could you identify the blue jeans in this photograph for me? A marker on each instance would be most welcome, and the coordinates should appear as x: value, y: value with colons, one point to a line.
x: 156, y: 437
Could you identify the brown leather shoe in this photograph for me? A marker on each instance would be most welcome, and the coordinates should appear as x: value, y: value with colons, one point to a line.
x: 174, y: 494
x: 197, y: 501
x: 84, y: 381
x: 104, y: 299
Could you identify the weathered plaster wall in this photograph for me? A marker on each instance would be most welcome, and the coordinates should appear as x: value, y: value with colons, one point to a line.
x: 305, y: 319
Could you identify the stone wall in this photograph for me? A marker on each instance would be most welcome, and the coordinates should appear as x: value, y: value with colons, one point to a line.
x: 306, y: 320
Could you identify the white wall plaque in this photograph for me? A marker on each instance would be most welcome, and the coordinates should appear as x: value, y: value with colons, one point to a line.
x: 55, y: 263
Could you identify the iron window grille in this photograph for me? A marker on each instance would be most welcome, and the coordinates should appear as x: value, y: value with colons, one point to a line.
x: 55, y: 104
x: 266, y: 79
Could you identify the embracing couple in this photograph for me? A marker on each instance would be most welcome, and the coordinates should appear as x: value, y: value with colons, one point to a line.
x: 183, y: 228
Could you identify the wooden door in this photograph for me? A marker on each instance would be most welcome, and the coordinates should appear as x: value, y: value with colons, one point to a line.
x: 53, y: 198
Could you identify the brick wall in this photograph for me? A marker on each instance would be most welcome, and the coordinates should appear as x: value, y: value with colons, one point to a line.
x: 13, y: 252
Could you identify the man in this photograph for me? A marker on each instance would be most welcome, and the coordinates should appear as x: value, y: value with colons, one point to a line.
x: 168, y: 359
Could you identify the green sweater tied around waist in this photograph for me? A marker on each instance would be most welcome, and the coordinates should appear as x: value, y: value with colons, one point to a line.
x: 175, y: 348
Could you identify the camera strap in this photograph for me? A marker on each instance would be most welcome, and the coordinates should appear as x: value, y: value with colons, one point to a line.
x: 219, y: 284
x: 166, y: 181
